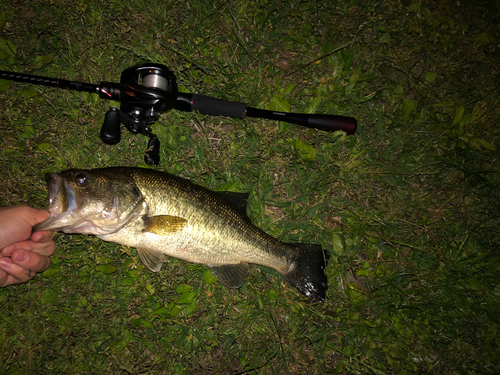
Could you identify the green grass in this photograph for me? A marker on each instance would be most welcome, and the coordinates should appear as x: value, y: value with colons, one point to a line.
x: 408, y: 207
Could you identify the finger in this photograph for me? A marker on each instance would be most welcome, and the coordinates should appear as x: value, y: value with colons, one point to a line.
x: 30, y: 260
x: 42, y: 236
x: 28, y: 214
x: 44, y: 248
x: 4, y: 278
x: 15, y: 273
x: 34, y: 215
x: 17, y: 223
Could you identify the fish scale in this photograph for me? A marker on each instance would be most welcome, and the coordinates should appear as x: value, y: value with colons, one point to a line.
x: 164, y: 215
x: 210, y: 215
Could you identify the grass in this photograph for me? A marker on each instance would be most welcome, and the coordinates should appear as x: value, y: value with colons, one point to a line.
x: 408, y: 207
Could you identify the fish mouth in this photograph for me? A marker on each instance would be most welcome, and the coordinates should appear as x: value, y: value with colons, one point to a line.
x: 62, y: 202
x: 61, y: 195
x: 53, y: 182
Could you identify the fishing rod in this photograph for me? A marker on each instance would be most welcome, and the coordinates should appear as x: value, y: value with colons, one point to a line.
x: 146, y: 90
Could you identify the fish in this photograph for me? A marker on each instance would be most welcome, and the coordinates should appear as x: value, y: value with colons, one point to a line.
x: 163, y: 215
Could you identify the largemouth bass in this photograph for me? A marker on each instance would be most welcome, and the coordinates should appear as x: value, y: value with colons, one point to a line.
x: 164, y: 215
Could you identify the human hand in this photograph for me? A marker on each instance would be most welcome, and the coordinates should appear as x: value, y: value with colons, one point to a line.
x: 22, y: 253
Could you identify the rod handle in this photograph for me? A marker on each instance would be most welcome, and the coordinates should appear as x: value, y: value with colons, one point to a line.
x: 332, y: 123
x: 217, y: 107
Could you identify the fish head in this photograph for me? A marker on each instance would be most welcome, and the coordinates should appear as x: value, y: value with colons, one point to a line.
x: 91, y: 201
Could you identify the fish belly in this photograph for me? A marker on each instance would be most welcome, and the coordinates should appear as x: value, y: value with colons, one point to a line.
x: 196, y: 245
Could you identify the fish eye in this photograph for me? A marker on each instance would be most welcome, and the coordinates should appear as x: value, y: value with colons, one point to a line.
x: 82, y: 179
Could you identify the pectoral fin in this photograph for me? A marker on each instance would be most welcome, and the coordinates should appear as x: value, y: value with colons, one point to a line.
x: 231, y: 275
x: 164, y: 225
x: 152, y: 259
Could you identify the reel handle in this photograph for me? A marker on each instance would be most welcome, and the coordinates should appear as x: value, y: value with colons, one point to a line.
x: 110, y: 131
x: 152, y: 155
x: 217, y: 107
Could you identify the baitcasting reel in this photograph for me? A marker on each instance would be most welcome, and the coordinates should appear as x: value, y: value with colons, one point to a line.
x: 146, y: 90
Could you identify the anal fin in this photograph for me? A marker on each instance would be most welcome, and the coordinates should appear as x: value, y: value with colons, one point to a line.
x: 151, y: 258
x: 231, y: 275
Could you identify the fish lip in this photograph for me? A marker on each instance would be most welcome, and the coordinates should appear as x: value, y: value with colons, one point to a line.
x: 54, y: 183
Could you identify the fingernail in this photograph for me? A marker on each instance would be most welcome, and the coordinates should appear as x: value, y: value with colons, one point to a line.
x: 5, y: 262
x: 45, y: 237
x: 41, y: 238
x: 20, y: 256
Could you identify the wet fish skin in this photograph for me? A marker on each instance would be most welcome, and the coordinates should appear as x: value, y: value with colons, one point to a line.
x: 164, y: 215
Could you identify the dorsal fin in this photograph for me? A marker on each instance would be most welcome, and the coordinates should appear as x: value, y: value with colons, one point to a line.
x: 240, y: 200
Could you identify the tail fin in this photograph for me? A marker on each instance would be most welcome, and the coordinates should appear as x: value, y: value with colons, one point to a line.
x: 308, y: 274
